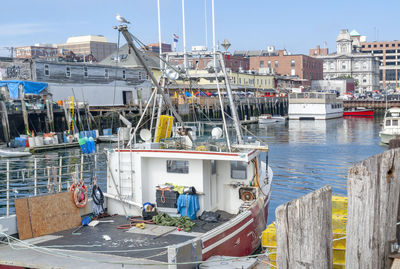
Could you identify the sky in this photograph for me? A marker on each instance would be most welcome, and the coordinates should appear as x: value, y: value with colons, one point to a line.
x: 247, y: 24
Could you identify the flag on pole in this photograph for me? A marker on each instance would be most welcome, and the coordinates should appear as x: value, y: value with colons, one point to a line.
x: 175, y: 37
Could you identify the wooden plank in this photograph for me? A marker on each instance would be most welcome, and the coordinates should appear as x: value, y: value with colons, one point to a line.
x: 23, y: 219
x: 48, y: 214
x: 373, y: 188
x: 304, y: 231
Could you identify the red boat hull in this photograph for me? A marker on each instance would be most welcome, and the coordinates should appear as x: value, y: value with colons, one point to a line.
x: 239, y: 236
x: 364, y: 112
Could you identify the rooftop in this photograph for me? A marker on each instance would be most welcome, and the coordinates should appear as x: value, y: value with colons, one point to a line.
x: 86, y: 38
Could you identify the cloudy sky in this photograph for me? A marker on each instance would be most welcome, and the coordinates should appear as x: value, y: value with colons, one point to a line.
x: 251, y: 24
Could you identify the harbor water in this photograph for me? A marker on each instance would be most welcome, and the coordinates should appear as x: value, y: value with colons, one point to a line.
x: 304, y: 155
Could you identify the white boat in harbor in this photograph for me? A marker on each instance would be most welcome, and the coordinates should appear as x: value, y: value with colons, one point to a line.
x: 391, y: 125
x: 268, y: 118
x: 14, y: 153
x: 314, y: 106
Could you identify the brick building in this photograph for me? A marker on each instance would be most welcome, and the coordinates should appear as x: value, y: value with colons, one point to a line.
x: 318, y: 51
x: 234, y: 63
x: 154, y: 47
x: 303, y: 66
x: 37, y: 51
x: 388, y: 53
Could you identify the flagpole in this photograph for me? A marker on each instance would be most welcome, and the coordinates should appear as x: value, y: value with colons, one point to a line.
x: 205, y: 19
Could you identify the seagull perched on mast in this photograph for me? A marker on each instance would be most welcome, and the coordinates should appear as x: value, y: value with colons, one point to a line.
x: 121, y: 19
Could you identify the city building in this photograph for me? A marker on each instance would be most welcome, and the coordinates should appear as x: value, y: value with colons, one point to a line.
x: 99, y: 85
x: 340, y: 86
x: 388, y: 53
x: 318, y: 51
x: 154, y: 47
x: 96, y: 45
x: 36, y: 51
x: 283, y: 63
x: 349, y: 62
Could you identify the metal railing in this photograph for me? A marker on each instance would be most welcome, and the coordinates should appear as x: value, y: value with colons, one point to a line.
x: 19, y: 179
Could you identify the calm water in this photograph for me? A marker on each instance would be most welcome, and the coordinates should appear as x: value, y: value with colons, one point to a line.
x: 304, y: 155
x: 307, y: 155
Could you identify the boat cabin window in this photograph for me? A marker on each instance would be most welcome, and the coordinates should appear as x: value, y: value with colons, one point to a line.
x: 395, y: 122
x: 238, y: 170
x: 213, y: 167
x: 387, y: 122
x: 179, y: 167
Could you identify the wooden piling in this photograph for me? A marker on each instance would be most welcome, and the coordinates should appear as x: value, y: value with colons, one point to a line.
x: 304, y: 231
x: 24, y: 113
x: 4, y: 122
x: 373, y: 188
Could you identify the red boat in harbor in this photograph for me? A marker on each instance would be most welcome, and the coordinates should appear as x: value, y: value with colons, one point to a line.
x: 363, y: 112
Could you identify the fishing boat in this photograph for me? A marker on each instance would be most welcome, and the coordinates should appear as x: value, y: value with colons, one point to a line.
x: 391, y: 126
x: 268, y: 118
x: 359, y: 112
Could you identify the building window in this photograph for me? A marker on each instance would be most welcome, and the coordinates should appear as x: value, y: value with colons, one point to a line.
x: 343, y: 65
x: 140, y: 75
x: 124, y: 74
x: 46, y: 70
x: 238, y: 170
x: 369, y: 46
x: 179, y: 167
x: 387, y: 45
x: 68, y: 72
x: 364, y: 79
x: 276, y: 64
x: 374, y: 45
x: 106, y: 73
x: 85, y: 72
x: 269, y: 64
x: 292, y: 63
x: 147, y: 75
x: 395, y: 122
x: 364, y: 65
x: 332, y: 66
x: 261, y: 64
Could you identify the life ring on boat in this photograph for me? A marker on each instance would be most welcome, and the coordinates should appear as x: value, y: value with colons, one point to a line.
x: 247, y: 196
x: 80, y: 195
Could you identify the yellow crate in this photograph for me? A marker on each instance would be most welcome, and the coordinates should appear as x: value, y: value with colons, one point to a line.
x: 338, y: 256
x: 339, y: 205
x: 164, y: 127
x: 339, y: 241
x: 339, y: 223
x: 268, y: 236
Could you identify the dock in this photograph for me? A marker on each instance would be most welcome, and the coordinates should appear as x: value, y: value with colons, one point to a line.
x: 37, y: 149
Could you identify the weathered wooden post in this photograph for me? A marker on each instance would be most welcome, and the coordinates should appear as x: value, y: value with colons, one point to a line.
x: 24, y: 112
x: 304, y: 231
x: 4, y: 122
x: 373, y: 188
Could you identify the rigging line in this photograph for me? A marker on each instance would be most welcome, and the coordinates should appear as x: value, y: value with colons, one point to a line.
x: 115, y: 82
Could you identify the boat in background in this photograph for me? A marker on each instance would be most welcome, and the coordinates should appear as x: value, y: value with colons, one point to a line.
x: 14, y: 153
x: 268, y: 118
x: 391, y: 127
x: 314, y: 106
x: 359, y: 112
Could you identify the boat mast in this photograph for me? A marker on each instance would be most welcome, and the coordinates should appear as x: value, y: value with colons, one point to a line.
x: 124, y: 30
x: 184, y: 37
x: 228, y: 87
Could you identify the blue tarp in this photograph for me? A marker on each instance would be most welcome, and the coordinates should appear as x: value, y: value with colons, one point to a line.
x: 30, y: 87
x: 188, y: 94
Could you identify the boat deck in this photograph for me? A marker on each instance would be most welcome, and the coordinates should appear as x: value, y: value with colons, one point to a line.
x: 149, y: 244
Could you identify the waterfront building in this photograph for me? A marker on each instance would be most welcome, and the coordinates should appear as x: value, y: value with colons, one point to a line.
x: 283, y: 63
x: 155, y: 47
x: 318, y: 51
x: 349, y: 62
x: 388, y: 53
x: 340, y: 86
x: 96, y: 45
x: 97, y: 84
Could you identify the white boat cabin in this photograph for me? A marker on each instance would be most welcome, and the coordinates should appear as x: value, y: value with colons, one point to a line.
x: 223, y: 180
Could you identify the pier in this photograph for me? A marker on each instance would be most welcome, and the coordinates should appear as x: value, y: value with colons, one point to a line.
x: 379, y: 105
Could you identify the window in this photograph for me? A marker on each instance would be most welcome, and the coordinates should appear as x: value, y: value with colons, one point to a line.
x: 387, y: 122
x: 292, y: 63
x: 147, y: 75
x: 332, y: 66
x: 261, y: 64
x: 140, y: 75
x: 390, y: 74
x: 387, y: 45
x: 124, y: 74
x: 46, y: 70
x: 374, y: 45
x: 269, y: 64
x: 213, y: 167
x: 381, y: 45
x: 390, y: 51
x: 343, y: 65
x: 365, y: 65
x: 395, y: 122
x: 68, y: 72
x: 85, y: 72
x: 276, y: 64
x: 238, y: 170
x: 369, y: 46
x: 364, y: 79
x: 179, y: 167
x: 106, y: 73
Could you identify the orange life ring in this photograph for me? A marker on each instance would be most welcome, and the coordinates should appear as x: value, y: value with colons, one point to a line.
x: 80, y: 195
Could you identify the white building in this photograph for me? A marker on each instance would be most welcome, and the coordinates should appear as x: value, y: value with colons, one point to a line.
x: 348, y: 62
